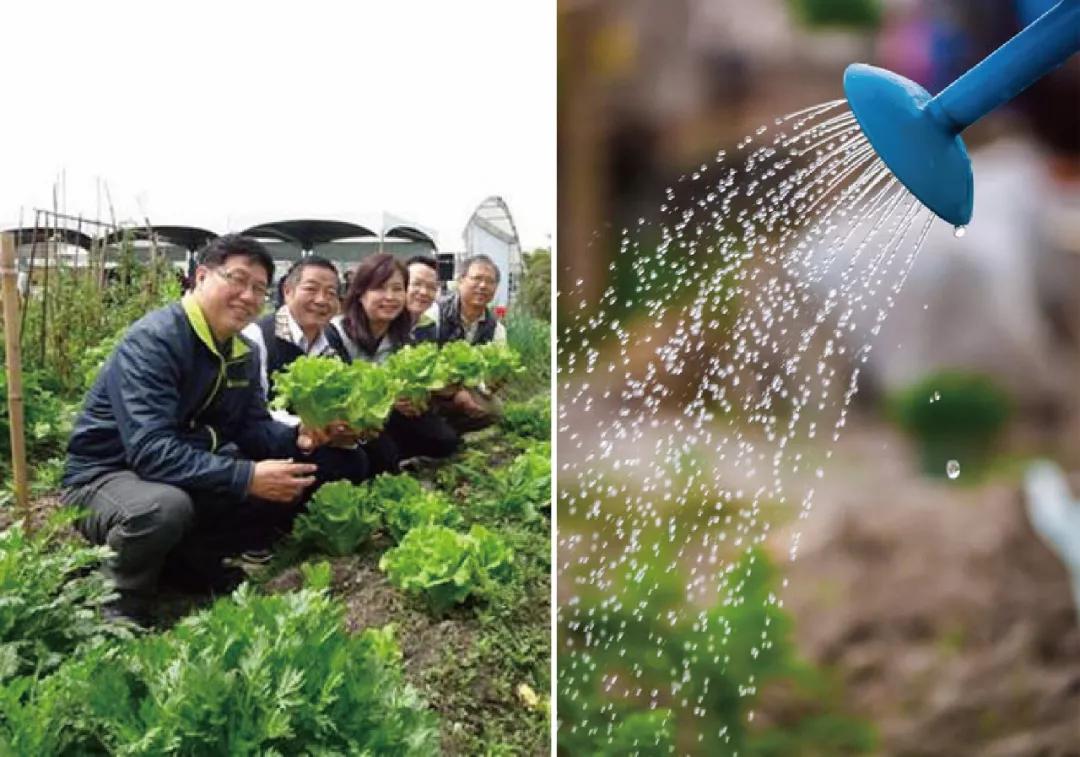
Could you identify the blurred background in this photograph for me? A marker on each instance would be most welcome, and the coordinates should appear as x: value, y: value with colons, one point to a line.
x: 924, y: 614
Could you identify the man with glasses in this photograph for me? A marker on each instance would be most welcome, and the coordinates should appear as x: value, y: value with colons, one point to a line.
x: 174, y: 454
x: 465, y: 315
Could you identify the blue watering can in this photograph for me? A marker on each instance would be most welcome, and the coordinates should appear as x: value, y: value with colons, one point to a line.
x: 918, y: 136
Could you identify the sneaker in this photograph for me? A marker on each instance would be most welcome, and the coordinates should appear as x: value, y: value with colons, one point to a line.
x: 257, y: 556
x: 416, y: 463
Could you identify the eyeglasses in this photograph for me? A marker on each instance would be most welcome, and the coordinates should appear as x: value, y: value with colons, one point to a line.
x: 242, y: 282
x: 479, y: 278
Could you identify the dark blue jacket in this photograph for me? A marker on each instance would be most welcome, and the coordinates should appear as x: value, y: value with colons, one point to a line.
x: 168, y: 400
x: 449, y: 327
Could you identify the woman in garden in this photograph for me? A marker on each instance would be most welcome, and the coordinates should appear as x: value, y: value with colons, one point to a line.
x: 374, y: 324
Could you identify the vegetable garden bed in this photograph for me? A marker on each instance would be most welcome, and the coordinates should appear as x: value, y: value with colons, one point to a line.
x: 470, y: 679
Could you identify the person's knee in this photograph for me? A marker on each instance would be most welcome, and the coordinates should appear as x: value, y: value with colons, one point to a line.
x: 447, y: 444
x: 162, y: 520
x: 176, y: 511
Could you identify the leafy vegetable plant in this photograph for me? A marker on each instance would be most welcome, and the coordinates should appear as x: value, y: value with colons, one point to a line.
x: 252, y: 675
x: 406, y: 504
x: 531, y: 419
x: 50, y: 599
x: 341, y: 517
x: 501, y: 363
x: 463, y: 364
x: 419, y: 372
x: 448, y: 567
x: 374, y: 392
x: 323, y: 390
x: 525, y: 485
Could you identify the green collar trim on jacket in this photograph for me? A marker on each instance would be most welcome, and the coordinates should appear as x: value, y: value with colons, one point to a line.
x: 237, y: 347
x: 424, y: 320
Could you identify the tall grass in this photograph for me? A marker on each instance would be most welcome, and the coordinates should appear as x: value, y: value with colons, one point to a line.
x: 531, y: 337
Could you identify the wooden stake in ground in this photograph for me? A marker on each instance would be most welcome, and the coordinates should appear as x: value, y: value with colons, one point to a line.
x: 8, y: 273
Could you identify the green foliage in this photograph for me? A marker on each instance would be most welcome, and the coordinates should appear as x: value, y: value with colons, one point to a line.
x: 386, y: 487
x: 531, y: 338
x: 253, y: 674
x: 317, y: 389
x: 374, y: 392
x: 419, y: 371
x: 49, y: 599
x: 531, y: 419
x: 953, y: 415
x: 93, y: 360
x: 340, y: 519
x: 524, y: 486
x: 728, y: 653
x: 536, y: 284
x: 448, y: 567
x: 462, y: 364
x: 63, y: 323
x: 501, y: 363
x: 47, y: 419
x: 855, y: 14
x: 422, y: 509
x: 322, y: 390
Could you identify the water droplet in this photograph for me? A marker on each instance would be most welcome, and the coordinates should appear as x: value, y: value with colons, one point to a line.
x: 959, y: 231
x: 935, y: 396
x: 952, y: 469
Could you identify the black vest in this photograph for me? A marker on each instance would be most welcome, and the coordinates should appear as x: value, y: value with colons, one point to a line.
x: 452, y: 328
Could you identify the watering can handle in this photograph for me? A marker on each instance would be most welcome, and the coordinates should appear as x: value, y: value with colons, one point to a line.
x: 1038, y: 49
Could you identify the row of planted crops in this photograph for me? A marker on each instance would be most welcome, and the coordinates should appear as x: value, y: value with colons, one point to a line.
x: 407, y: 615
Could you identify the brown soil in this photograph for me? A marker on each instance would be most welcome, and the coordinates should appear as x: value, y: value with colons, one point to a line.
x: 949, y: 620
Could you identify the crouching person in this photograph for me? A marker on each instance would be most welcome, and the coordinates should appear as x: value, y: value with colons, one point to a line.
x: 174, y: 454
x: 463, y: 315
x: 374, y: 324
x: 297, y: 328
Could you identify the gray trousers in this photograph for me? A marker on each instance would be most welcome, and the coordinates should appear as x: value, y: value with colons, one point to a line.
x: 152, y: 527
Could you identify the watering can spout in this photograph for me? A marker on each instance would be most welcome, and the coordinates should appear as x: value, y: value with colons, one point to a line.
x: 918, y: 137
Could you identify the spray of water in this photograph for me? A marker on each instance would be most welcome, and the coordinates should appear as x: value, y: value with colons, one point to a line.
x: 689, y: 401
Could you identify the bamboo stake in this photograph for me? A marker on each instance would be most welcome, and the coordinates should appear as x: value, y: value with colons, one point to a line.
x: 8, y: 273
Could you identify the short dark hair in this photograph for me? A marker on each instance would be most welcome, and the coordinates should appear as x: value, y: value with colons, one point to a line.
x: 218, y: 250
x: 292, y: 276
x: 423, y: 260
x: 479, y: 259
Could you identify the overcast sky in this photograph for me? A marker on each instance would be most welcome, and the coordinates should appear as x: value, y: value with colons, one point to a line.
x: 211, y: 114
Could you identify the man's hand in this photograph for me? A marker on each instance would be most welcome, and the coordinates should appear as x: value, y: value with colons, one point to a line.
x: 466, y: 403
x: 280, y: 480
x: 341, y: 434
x: 310, y: 439
x: 447, y: 392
